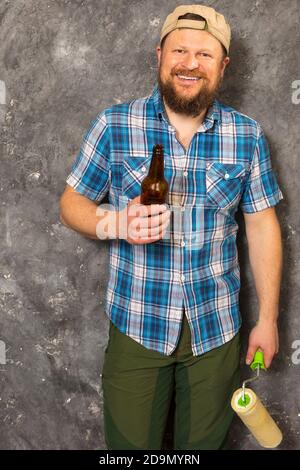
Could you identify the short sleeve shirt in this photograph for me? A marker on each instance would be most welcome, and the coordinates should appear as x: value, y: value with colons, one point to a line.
x: 226, y: 167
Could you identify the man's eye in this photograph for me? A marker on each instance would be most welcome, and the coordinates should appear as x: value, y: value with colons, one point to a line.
x: 179, y: 50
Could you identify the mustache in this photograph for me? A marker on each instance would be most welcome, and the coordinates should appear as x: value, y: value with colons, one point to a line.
x: 188, y: 74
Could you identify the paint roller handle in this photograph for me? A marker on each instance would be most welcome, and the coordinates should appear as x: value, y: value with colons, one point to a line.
x: 258, y: 361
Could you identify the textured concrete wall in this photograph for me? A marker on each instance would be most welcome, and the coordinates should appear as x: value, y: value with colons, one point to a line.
x: 61, y: 62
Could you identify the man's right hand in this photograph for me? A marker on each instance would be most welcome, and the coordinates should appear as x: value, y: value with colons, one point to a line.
x: 143, y: 223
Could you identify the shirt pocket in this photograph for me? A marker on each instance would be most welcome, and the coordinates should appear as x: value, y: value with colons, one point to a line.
x: 224, y: 184
x: 135, y: 169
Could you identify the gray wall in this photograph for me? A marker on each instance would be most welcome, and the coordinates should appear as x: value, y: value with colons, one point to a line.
x: 61, y: 62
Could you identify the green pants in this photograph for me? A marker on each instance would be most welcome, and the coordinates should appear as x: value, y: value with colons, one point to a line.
x: 138, y: 384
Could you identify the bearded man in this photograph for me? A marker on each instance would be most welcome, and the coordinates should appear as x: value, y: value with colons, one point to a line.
x: 173, y: 290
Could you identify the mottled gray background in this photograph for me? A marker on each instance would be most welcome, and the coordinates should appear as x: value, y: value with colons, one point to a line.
x: 62, y: 62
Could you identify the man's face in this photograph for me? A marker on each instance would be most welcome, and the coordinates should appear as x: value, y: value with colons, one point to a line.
x: 191, y: 68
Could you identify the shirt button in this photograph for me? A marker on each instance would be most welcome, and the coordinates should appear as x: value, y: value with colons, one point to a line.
x: 183, y: 243
x: 182, y: 208
x: 143, y: 169
x: 185, y: 173
x: 226, y: 176
x: 182, y: 277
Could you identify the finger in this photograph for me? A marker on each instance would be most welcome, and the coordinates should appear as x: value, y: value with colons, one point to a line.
x: 142, y: 231
x: 137, y: 210
x: 148, y: 223
x: 154, y: 231
x: 250, y: 353
x: 135, y: 200
x: 139, y: 241
x: 143, y: 211
x: 154, y: 209
x: 268, y: 360
x: 143, y: 241
x: 268, y: 357
x: 277, y: 344
x: 155, y: 220
x: 162, y: 231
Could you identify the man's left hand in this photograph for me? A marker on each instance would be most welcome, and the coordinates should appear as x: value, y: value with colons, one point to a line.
x: 264, y: 336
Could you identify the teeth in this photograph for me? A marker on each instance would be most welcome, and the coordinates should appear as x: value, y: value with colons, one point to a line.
x: 187, y: 78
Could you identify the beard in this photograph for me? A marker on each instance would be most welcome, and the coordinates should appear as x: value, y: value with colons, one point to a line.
x: 189, y: 106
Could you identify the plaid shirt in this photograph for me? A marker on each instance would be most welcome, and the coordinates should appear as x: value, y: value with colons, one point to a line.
x: 195, y: 266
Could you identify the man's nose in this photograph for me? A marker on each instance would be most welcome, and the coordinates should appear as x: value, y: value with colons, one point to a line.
x: 190, y: 61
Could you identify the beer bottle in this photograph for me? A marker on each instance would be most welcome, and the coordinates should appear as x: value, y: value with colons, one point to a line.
x: 154, y: 186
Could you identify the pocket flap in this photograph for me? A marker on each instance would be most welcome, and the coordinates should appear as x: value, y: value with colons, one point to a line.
x: 135, y: 169
x: 134, y: 165
x: 227, y: 170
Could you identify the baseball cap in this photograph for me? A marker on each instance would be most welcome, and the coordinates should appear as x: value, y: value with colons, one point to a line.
x: 212, y: 22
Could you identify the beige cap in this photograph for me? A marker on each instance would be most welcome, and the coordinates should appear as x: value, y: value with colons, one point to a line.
x: 214, y: 23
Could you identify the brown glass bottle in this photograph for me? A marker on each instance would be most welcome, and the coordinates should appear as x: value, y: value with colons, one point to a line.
x: 155, y: 187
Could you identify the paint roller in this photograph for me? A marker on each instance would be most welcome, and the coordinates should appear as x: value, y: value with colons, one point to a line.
x: 252, y: 412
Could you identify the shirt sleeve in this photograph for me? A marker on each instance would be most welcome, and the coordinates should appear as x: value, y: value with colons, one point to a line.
x: 90, y: 173
x: 261, y: 189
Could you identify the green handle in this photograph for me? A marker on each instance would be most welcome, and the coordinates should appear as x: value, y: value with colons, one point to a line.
x: 258, y: 361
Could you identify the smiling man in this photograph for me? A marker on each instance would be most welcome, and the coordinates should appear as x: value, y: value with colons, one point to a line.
x: 191, y: 68
x: 173, y: 301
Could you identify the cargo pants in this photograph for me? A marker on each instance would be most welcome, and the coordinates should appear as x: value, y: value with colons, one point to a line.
x: 138, y: 384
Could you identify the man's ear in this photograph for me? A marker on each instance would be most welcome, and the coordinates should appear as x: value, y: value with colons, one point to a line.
x: 225, y: 62
x: 158, y: 54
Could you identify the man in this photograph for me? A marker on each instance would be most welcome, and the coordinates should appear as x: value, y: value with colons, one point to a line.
x: 172, y: 295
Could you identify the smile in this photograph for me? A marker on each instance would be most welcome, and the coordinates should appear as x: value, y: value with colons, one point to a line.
x: 185, y: 79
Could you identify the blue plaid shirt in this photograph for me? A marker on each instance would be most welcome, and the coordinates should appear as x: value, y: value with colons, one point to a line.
x: 195, y: 266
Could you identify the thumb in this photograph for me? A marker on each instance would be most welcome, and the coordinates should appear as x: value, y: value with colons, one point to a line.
x: 136, y: 200
x: 250, y: 353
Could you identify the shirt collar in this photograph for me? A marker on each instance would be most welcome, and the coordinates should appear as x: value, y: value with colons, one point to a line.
x: 212, y: 115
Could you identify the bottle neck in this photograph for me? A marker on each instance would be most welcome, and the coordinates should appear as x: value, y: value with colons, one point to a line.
x: 157, y: 166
